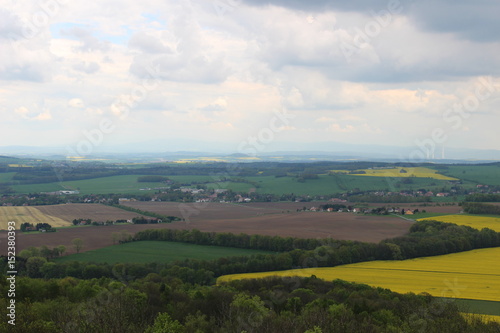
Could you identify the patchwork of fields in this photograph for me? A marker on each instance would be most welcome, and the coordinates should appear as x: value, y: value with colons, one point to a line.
x: 474, y: 221
x: 337, y: 182
x: 61, y: 215
x: 472, y: 274
x: 279, y: 219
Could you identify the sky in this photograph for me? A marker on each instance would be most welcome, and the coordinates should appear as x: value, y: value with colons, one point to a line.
x: 252, y: 74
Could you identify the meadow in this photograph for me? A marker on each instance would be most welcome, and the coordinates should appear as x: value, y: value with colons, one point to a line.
x: 474, y: 221
x: 470, y: 275
x: 156, y: 251
x: 21, y: 214
x: 479, y: 174
x: 418, y: 172
x: 326, y: 184
x: 323, y: 185
x: 6, y: 176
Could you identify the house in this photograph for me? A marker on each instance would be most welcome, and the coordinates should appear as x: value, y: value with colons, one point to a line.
x: 408, y: 212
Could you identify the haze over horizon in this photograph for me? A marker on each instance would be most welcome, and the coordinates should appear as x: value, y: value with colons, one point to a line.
x: 255, y: 75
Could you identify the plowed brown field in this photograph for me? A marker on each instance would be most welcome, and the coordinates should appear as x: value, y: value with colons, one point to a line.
x: 259, y: 218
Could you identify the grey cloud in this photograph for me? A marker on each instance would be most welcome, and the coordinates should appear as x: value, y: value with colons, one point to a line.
x: 472, y: 20
x: 10, y: 26
x: 25, y: 72
x: 320, y: 5
x: 148, y: 44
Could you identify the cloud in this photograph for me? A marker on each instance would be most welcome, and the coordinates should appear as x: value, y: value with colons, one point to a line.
x: 212, y: 74
x: 475, y: 21
x: 220, y: 104
x: 25, y: 113
x: 76, y: 103
x: 191, y: 57
x: 11, y: 27
x: 88, y: 42
x: 87, y: 67
x: 146, y: 43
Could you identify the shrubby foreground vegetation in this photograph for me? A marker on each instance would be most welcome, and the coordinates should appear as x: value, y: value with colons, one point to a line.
x: 159, y: 303
x: 182, y: 296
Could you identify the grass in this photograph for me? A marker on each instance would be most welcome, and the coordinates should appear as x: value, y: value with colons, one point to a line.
x: 21, y: 214
x: 323, y: 185
x: 115, y: 184
x: 418, y: 172
x: 474, y: 221
x: 36, y: 188
x: 479, y: 174
x: 478, y: 306
x: 156, y: 251
x: 326, y: 184
x: 6, y: 176
x: 470, y: 275
x: 425, y: 216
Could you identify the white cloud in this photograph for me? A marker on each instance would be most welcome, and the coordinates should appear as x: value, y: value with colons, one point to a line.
x: 224, y: 76
x: 76, y: 103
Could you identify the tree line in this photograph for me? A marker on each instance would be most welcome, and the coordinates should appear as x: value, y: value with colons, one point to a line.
x: 480, y: 208
x: 159, y: 303
x: 426, y: 238
x: 164, y: 218
x: 483, y: 197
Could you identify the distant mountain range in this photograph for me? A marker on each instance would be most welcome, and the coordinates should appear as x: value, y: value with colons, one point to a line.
x: 275, y: 151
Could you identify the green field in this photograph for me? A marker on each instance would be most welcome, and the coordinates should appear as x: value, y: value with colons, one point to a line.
x: 36, y: 188
x: 479, y: 174
x: 478, y: 306
x: 326, y: 184
x: 157, y: 251
x: 323, y: 185
x: 115, y: 184
x: 6, y: 176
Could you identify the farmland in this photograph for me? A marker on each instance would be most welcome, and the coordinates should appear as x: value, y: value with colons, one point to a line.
x: 23, y: 214
x: 326, y: 184
x: 96, y: 212
x: 156, y: 251
x: 418, y: 172
x: 470, y: 275
x: 279, y: 219
x: 474, y: 221
x: 479, y: 174
x: 323, y: 185
x: 61, y: 215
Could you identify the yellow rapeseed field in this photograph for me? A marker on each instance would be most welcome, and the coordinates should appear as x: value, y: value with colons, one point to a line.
x: 21, y: 214
x: 477, y: 222
x: 472, y: 274
x: 419, y: 172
